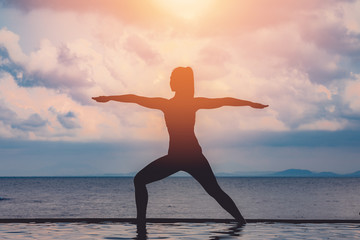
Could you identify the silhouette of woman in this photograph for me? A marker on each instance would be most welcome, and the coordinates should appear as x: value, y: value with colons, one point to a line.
x: 184, y: 150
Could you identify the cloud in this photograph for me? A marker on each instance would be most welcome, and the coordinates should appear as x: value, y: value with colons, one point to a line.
x: 140, y: 47
x: 141, y: 13
x: 66, y: 68
x: 352, y: 94
x: 301, y: 58
x: 64, y: 158
x: 287, y: 46
x: 217, y: 18
x: 271, y: 62
x: 32, y: 123
x: 74, y: 68
x: 237, y: 17
x: 6, y: 114
x: 38, y: 113
x: 215, y: 60
x: 48, y: 68
x: 324, y: 125
x: 47, y: 65
x: 292, y: 139
x: 314, y: 150
x: 68, y: 120
x: 9, y: 42
x: 351, y: 17
x: 331, y: 35
x: 15, y: 126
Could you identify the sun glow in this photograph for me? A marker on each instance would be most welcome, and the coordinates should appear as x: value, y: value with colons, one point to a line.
x: 187, y: 9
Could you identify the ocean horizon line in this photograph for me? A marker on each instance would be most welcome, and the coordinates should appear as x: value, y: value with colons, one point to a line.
x: 272, y: 174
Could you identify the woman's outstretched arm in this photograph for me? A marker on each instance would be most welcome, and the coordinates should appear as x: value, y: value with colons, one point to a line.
x: 156, y: 102
x: 208, y: 103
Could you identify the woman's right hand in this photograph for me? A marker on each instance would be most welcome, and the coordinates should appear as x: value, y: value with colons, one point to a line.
x: 101, y: 99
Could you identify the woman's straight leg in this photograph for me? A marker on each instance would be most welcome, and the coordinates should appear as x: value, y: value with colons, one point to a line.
x: 203, y: 173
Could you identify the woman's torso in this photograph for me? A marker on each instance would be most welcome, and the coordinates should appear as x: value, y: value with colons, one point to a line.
x: 180, y: 122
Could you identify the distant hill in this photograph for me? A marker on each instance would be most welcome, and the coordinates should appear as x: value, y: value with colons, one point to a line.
x: 355, y: 174
x: 288, y: 173
x: 303, y: 173
x: 244, y: 174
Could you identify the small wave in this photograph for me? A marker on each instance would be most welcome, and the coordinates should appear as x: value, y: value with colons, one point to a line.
x: 4, y: 199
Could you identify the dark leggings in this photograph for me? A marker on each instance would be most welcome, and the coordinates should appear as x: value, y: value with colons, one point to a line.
x: 197, y: 166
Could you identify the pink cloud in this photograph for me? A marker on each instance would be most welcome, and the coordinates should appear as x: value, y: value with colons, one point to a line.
x: 10, y: 41
x: 255, y: 50
x: 224, y: 17
x: 141, y: 48
x: 142, y: 13
x: 352, y: 94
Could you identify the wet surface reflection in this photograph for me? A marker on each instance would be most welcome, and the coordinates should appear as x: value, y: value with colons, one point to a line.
x: 172, y: 231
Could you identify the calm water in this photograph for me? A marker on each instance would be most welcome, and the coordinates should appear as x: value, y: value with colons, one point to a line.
x: 199, y: 231
x: 271, y: 198
x: 274, y: 198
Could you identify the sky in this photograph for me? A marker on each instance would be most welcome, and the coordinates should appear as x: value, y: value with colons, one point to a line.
x: 300, y: 57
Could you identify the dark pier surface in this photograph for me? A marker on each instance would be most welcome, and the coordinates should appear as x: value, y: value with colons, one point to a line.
x: 170, y: 220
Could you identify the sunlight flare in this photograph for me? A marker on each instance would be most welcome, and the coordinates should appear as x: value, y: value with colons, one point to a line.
x: 187, y: 9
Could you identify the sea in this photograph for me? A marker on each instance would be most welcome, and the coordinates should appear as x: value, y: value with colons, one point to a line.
x: 180, y: 197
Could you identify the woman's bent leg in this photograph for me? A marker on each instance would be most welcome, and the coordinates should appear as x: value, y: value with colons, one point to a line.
x: 156, y: 170
x: 205, y: 176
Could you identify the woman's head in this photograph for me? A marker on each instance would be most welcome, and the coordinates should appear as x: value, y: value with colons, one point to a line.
x: 182, y: 81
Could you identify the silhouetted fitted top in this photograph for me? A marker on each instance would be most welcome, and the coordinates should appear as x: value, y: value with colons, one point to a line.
x: 180, y: 122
